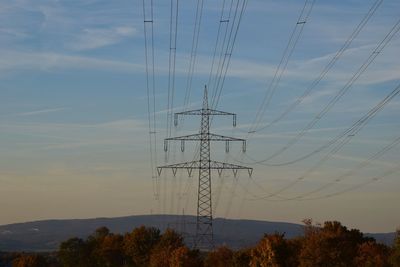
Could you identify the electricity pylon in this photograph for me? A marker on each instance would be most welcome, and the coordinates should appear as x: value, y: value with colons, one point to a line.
x: 204, y: 224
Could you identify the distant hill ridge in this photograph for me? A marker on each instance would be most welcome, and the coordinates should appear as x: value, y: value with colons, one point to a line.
x: 46, y: 235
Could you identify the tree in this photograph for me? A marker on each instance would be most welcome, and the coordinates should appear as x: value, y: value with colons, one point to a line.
x: 241, y: 258
x: 74, y: 253
x: 184, y: 257
x: 272, y: 251
x: 30, y: 261
x: 110, y: 251
x: 221, y: 257
x: 395, y: 255
x: 161, y: 252
x: 138, y: 244
x: 372, y: 254
x: 332, y: 245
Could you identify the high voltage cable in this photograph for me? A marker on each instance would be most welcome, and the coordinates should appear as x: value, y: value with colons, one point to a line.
x: 281, y: 68
x: 173, y: 35
x: 292, y: 40
x: 171, y: 62
x: 349, y: 189
x: 222, y: 20
x: 224, y: 46
x: 327, y: 68
x: 228, y: 55
x: 323, y: 73
x: 230, y: 46
x: 348, y: 131
x: 150, y: 89
x: 351, y: 172
x: 337, y: 193
x: 347, y: 174
x: 357, y: 186
x: 187, y: 187
x: 340, y: 94
x: 193, y: 53
x: 223, y: 66
x: 343, y: 142
x: 215, y: 49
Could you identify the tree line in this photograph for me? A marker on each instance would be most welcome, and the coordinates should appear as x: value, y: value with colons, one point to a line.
x: 327, y: 245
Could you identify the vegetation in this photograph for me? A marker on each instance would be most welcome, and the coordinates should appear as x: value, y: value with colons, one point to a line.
x: 327, y: 245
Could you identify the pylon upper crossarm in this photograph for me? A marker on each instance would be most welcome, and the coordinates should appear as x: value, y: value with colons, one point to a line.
x: 209, y: 112
x: 211, y: 137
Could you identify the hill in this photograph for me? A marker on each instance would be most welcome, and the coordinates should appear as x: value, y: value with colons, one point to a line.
x: 46, y: 235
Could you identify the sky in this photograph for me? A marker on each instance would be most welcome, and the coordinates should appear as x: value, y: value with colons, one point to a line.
x: 74, y: 133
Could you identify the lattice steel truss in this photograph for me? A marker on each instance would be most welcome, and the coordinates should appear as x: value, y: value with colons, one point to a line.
x: 204, y: 229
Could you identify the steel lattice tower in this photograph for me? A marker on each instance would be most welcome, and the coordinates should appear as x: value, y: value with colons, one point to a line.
x: 204, y: 223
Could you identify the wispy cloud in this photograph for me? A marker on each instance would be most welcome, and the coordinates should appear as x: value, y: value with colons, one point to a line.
x: 42, y: 111
x: 100, y: 37
x: 47, y: 61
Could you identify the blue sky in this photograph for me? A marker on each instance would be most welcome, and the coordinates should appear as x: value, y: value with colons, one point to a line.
x: 73, y: 110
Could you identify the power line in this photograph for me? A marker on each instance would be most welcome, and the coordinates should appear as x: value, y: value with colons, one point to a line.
x: 174, y: 13
x: 230, y: 22
x: 351, y: 172
x: 357, y: 186
x: 193, y: 53
x: 327, y: 67
x: 379, y: 48
x: 222, y: 21
x: 362, y: 122
x: 337, y: 193
x: 228, y: 54
x: 150, y: 89
x: 281, y: 68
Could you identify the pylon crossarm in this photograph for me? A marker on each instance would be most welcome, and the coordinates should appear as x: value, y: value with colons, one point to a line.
x: 206, y: 112
x: 201, y: 111
x: 208, y: 136
x: 211, y: 137
x: 214, y: 165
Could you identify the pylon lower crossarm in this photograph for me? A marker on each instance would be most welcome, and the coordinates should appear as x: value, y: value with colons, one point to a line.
x: 214, y: 165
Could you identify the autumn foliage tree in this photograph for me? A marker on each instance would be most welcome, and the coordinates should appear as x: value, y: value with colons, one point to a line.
x: 221, y: 257
x: 274, y: 251
x: 372, y: 254
x: 334, y: 245
x: 74, y: 253
x: 168, y: 243
x: 138, y: 244
x: 327, y: 245
x: 25, y: 260
x: 395, y: 257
